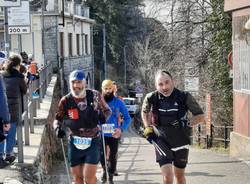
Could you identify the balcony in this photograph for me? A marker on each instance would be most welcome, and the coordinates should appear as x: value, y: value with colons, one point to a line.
x: 76, y: 9
x: 68, y: 7
x: 81, y: 10
x: 84, y: 11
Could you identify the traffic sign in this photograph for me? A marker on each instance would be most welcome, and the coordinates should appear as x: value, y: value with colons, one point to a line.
x: 139, y: 95
x: 191, y: 83
x: 19, y: 19
x: 19, y: 29
x: 10, y: 3
x: 139, y: 89
x: 19, y: 16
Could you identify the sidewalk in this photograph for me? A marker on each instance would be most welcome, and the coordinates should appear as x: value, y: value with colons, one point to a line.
x: 15, y: 173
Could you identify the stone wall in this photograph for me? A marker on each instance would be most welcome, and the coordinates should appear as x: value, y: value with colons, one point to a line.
x: 79, y: 62
x: 50, y: 39
x: 239, y: 146
x: 50, y: 149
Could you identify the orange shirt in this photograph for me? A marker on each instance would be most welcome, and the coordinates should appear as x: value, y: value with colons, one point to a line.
x: 33, y: 68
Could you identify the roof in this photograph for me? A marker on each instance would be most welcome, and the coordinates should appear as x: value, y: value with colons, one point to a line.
x: 233, y: 5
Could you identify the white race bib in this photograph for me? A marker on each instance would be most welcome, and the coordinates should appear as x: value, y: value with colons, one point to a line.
x: 82, y: 143
x: 108, y: 128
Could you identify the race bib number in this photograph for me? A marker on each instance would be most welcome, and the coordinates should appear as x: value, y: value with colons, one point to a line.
x: 82, y: 143
x: 108, y: 128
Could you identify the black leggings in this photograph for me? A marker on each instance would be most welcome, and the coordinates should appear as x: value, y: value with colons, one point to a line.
x: 113, y: 144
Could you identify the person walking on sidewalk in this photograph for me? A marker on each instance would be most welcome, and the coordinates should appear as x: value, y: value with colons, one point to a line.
x: 164, y: 115
x: 79, y: 111
x: 113, y: 129
x: 15, y: 88
x: 4, y: 118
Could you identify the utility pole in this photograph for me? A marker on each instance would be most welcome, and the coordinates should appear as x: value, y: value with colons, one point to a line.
x: 43, y: 35
x: 6, y: 35
x: 20, y: 43
x: 125, y: 66
x: 104, y: 57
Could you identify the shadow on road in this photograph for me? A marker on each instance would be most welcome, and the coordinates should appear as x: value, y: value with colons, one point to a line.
x: 203, y: 174
x: 218, y: 162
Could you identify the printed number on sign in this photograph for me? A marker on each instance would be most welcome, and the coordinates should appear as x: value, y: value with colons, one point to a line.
x: 14, y: 30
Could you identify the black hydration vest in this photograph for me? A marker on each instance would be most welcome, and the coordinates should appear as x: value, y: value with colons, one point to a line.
x: 169, y: 116
x: 88, y: 118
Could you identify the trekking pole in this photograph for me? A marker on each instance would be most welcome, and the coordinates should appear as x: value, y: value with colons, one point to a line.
x: 158, y: 148
x: 65, y: 162
x: 104, y: 154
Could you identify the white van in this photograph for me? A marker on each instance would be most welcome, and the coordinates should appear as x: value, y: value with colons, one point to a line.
x: 131, y: 105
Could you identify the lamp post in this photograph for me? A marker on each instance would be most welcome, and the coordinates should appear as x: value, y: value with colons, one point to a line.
x: 104, y: 58
x: 6, y: 35
x: 125, y: 65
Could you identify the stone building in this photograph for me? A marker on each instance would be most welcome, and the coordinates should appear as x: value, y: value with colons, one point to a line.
x: 61, y: 33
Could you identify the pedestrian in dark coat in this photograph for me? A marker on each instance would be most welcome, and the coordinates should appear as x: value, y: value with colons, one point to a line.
x: 4, y: 117
x: 15, y: 88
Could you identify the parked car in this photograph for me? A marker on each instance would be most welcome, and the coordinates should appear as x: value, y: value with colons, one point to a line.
x: 131, y: 104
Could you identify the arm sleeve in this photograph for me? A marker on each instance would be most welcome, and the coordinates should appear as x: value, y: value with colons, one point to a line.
x: 4, y: 110
x: 192, y: 105
x: 61, y: 112
x: 146, y: 105
x: 126, y: 116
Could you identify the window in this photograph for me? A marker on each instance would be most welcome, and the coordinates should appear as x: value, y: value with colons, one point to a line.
x: 83, y: 44
x: 241, y: 54
x: 61, y: 44
x: 86, y: 44
x: 129, y: 102
x: 70, y: 44
x: 78, y: 44
x: 85, y: 48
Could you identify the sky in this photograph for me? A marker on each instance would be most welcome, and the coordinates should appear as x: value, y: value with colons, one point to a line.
x: 157, y: 10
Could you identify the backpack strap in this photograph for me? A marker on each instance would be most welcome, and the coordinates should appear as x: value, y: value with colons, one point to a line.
x: 70, y: 101
x: 90, y: 97
x: 181, y: 98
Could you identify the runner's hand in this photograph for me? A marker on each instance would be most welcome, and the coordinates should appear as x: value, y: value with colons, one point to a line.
x: 117, y: 133
x: 6, y: 127
x: 149, y: 134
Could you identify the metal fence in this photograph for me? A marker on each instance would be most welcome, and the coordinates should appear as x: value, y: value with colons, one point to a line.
x: 31, y: 102
x: 219, y: 135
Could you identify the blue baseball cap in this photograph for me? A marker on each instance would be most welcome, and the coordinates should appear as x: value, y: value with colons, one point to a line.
x: 77, y: 75
x: 2, y: 54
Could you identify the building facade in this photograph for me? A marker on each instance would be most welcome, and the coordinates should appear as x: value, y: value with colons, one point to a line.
x: 240, y: 137
x: 61, y: 33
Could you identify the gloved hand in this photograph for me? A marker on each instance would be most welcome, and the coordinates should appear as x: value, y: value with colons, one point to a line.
x: 149, y: 134
x: 60, y: 133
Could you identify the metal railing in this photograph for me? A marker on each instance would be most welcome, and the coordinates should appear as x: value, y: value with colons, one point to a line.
x: 219, y: 134
x: 31, y: 102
